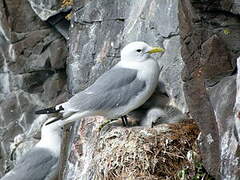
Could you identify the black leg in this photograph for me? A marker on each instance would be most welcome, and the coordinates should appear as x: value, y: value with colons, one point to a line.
x: 124, y: 120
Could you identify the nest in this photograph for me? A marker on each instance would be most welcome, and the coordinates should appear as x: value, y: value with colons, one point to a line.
x: 144, y: 153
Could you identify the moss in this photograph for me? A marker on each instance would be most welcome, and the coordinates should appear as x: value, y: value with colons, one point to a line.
x: 195, y: 170
x: 69, y: 16
x: 226, y: 31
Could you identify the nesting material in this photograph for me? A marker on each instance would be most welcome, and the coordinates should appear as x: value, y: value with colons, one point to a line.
x: 144, y: 153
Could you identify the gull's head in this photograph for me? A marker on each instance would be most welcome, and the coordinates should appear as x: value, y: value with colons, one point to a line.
x: 138, y: 51
x: 52, y: 126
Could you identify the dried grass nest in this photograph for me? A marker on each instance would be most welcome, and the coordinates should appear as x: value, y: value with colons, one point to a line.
x: 145, y: 153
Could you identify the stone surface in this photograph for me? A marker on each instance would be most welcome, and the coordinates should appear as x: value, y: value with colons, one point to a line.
x: 170, y: 76
x: 208, y: 33
x: 197, y: 75
x: 98, y: 31
x: 98, y: 34
x: 32, y: 74
x: 47, y: 9
x: 222, y: 97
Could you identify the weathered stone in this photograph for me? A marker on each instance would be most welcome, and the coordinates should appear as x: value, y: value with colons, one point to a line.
x: 222, y: 97
x: 32, y: 65
x: 235, y: 7
x: 27, y: 81
x: 93, y: 50
x: 215, y: 60
x: 55, y: 13
x: 60, y: 23
x: 96, y: 27
x: 101, y: 28
x: 57, y: 54
x: 55, y: 89
x: 16, y: 117
x: 46, y: 9
x: 35, y: 52
x: 231, y: 6
x: 209, y: 49
x: 31, y: 53
x: 14, y: 13
x: 196, y: 96
x: 172, y: 65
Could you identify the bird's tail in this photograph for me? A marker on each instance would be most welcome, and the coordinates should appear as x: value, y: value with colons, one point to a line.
x: 50, y: 110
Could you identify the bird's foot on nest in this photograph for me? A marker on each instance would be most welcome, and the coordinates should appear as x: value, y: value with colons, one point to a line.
x: 106, y: 122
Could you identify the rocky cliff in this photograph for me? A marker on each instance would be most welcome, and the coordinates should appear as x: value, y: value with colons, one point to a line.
x: 210, y: 47
x: 51, y: 50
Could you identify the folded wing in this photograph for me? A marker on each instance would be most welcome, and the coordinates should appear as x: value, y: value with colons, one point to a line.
x: 113, y: 89
x: 37, y: 164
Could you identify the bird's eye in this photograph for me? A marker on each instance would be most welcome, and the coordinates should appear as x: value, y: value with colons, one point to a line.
x: 139, y: 50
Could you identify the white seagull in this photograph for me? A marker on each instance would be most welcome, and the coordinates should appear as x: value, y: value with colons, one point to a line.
x: 41, y: 162
x: 123, y: 88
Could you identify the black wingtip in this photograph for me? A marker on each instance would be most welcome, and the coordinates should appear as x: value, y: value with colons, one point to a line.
x: 49, y: 110
x: 50, y: 122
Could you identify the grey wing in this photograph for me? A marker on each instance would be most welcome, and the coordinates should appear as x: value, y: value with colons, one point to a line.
x: 35, y: 165
x: 114, y: 88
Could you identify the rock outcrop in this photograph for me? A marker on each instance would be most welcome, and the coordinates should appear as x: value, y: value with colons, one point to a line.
x: 32, y: 71
x: 99, y: 30
x: 50, y: 50
x: 210, y: 46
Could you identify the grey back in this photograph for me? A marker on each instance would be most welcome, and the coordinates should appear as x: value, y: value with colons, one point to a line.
x: 113, y: 89
x: 36, y: 164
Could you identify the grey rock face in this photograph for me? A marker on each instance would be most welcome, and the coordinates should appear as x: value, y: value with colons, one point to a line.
x: 34, y: 71
x: 16, y: 117
x: 172, y: 65
x: 208, y: 32
x: 223, y: 97
x: 99, y: 32
x: 231, y: 6
x: 46, y: 9
x: 100, y: 29
x: 32, y: 56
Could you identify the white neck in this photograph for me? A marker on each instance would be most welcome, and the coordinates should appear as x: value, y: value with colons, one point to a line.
x: 130, y: 64
x: 52, y: 142
x: 148, y: 70
x: 139, y: 65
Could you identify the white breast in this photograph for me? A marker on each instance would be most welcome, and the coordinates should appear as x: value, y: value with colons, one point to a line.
x: 148, y: 71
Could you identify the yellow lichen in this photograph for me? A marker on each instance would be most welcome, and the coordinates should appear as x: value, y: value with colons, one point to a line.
x: 66, y: 3
x: 69, y: 16
x: 226, y: 31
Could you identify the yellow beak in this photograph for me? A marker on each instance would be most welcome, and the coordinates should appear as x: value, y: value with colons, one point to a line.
x: 156, y: 50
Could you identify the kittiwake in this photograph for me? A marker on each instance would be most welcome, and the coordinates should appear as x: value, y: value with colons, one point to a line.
x: 41, y: 162
x: 158, y: 115
x: 123, y: 88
